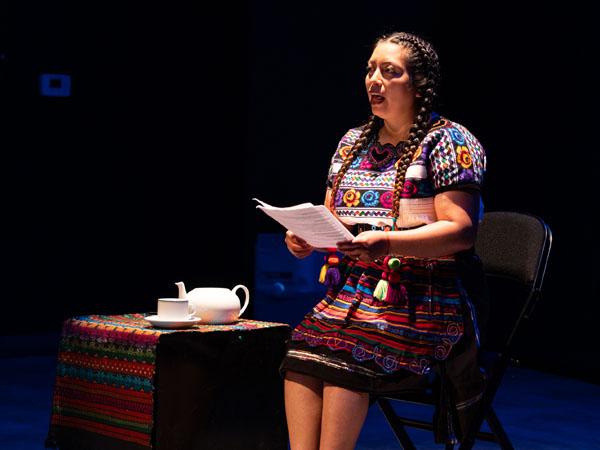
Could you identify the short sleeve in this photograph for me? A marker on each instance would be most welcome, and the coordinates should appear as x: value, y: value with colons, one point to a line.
x: 457, y: 161
x: 341, y: 153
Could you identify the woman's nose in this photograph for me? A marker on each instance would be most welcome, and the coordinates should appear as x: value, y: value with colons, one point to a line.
x: 374, y: 84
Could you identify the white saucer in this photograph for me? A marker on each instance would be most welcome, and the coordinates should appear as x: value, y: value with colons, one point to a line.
x: 179, y: 323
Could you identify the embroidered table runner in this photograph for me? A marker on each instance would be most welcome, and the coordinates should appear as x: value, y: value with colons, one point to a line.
x: 105, y: 375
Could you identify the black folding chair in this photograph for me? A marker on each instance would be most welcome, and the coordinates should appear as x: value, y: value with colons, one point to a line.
x: 514, y: 248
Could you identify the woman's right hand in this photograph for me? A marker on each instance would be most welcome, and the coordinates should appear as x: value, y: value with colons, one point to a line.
x: 297, y: 246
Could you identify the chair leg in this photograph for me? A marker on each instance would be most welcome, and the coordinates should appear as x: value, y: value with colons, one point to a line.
x: 484, y: 406
x: 399, y: 430
x: 498, y: 430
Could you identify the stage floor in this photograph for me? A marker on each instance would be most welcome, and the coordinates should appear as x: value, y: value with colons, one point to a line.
x: 538, y: 410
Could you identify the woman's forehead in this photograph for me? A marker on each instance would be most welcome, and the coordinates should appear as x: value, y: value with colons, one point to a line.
x: 389, y: 51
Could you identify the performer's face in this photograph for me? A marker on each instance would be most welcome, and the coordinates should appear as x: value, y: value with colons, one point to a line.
x: 388, y: 83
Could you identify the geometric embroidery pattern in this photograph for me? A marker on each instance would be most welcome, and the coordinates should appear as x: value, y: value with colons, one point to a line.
x: 450, y: 158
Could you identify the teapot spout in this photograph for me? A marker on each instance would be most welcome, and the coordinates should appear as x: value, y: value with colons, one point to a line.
x: 181, y: 287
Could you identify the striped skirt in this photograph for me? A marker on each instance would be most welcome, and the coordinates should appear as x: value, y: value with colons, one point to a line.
x: 355, y: 340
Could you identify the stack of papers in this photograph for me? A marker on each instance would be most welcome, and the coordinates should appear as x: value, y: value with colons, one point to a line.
x: 315, y: 224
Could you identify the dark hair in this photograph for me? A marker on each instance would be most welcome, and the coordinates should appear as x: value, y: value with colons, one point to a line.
x: 422, y: 64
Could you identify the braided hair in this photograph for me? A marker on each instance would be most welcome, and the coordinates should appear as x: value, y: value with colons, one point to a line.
x: 422, y: 64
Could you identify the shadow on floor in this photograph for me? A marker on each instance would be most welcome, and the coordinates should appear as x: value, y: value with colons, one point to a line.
x: 538, y: 410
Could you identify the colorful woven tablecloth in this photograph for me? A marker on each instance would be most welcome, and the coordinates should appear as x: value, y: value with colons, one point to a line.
x: 105, y: 373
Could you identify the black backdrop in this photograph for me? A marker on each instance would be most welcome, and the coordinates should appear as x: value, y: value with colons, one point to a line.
x: 181, y: 113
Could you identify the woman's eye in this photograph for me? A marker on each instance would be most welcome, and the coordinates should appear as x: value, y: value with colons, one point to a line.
x: 369, y: 69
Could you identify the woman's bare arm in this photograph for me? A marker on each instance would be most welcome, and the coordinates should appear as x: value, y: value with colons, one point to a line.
x: 455, y: 230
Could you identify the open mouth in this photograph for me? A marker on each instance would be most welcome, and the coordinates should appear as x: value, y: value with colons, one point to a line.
x: 376, y: 99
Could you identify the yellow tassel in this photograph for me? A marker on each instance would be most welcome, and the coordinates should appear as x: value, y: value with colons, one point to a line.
x: 323, y: 273
x: 381, y: 289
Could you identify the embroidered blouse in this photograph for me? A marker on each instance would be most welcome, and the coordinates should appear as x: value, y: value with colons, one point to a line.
x: 449, y: 157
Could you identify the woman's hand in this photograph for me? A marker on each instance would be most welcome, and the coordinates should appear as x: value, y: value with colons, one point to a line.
x: 297, y: 246
x: 366, y: 247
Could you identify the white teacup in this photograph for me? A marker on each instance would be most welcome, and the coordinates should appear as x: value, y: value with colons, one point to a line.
x: 174, y: 309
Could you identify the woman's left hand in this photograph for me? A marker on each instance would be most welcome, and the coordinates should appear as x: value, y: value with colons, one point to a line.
x: 366, y: 247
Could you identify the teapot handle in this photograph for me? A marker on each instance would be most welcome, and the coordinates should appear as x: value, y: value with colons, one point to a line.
x: 247, y: 300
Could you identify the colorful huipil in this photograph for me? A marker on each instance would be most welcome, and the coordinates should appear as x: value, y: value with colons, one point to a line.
x: 352, y: 334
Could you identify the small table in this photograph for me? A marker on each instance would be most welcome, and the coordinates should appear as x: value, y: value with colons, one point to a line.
x: 123, y: 384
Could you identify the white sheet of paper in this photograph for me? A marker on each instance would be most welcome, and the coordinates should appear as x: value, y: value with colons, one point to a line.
x: 315, y: 224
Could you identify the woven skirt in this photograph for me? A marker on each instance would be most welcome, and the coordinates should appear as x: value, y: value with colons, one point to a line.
x: 355, y: 340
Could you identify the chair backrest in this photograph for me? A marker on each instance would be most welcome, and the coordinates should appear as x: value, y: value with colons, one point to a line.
x: 514, y: 248
x: 513, y: 244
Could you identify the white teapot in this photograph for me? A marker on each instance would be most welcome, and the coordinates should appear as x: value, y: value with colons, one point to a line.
x: 215, y: 305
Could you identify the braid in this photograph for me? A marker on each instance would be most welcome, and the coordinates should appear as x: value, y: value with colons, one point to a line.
x: 370, y: 129
x: 423, y: 66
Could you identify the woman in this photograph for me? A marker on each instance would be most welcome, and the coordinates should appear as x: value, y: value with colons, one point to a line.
x: 401, y: 304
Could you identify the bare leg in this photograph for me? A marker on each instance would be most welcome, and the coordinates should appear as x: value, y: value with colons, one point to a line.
x: 303, y: 406
x: 344, y: 412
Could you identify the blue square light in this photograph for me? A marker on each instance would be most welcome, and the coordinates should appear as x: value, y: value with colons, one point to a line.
x: 55, y: 85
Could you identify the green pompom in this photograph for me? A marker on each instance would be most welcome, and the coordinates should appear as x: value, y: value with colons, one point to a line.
x: 393, y: 263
